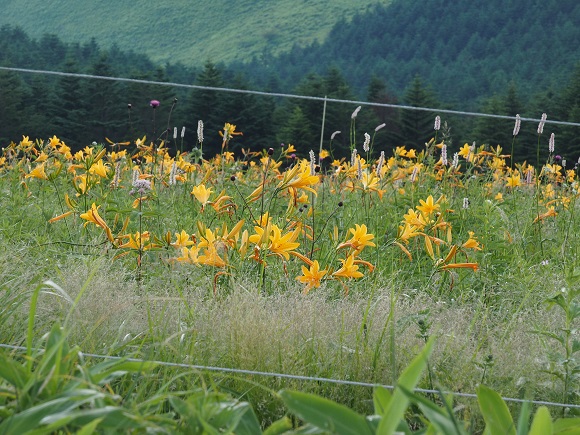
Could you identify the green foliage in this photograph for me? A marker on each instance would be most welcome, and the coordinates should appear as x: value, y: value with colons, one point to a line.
x: 564, y: 364
x: 186, y: 31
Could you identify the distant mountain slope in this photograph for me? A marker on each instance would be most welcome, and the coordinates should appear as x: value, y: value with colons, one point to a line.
x: 188, y: 31
x: 464, y: 49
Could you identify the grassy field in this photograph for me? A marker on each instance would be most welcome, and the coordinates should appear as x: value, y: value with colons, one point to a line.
x: 190, y: 32
x: 321, y: 267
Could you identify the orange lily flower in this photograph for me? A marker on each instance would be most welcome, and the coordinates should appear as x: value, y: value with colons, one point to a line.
x: 311, y: 276
x: 349, y: 269
x: 92, y: 215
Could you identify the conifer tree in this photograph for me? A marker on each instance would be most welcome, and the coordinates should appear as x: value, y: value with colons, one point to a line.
x: 416, y: 126
x: 206, y: 105
x: 71, y: 109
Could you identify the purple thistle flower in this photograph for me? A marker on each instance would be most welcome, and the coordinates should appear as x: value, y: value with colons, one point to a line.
x: 154, y: 103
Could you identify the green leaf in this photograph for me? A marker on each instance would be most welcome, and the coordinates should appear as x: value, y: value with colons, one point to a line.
x: 443, y: 420
x: 552, y: 335
x: 542, y: 423
x: 399, y: 402
x: 495, y: 412
x: 558, y: 300
x: 90, y: 428
x: 381, y: 399
x: 523, y: 419
x: 567, y: 426
x: 249, y: 423
x: 29, y: 419
x: 279, y: 427
x: 325, y: 414
x: 12, y: 372
x: 107, y: 371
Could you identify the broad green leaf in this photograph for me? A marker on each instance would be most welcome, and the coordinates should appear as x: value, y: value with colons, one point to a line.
x: 496, y: 414
x: 248, y: 423
x: 29, y: 419
x: 106, y: 371
x: 187, y: 412
x: 542, y: 423
x: 112, y: 416
x: 381, y: 400
x: 90, y: 428
x: 12, y: 372
x: 399, y: 402
x: 567, y: 426
x: 325, y: 414
x: 279, y: 427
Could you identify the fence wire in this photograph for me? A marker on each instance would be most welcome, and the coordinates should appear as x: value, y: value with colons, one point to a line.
x: 284, y: 95
x: 298, y: 377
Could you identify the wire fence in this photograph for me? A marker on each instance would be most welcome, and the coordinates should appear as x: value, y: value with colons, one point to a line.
x: 284, y: 95
x: 235, y: 371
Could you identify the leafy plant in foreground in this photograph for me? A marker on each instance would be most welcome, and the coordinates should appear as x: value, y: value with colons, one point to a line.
x: 564, y: 365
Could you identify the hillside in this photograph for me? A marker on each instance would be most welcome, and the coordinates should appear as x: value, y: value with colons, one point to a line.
x: 465, y: 50
x: 187, y: 31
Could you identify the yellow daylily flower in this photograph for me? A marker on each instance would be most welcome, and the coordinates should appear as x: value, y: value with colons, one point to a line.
x: 202, y: 194
x: 37, y: 172
x: 427, y: 207
x: 211, y: 258
x: 183, y: 240
x: 349, y: 269
x: 472, y: 242
x: 99, y: 168
x: 550, y: 213
x: 92, y: 215
x: 311, y: 276
x: 514, y: 179
x: 138, y: 241
x: 359, y: 240
x: 281, y: 245
x: 299, y: 177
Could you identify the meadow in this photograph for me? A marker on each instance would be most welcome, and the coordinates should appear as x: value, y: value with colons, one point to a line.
x: 448, y: 270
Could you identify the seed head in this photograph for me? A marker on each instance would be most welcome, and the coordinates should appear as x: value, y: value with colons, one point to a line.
x: 355, y: 113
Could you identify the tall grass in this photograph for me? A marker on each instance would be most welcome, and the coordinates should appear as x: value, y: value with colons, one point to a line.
x: 183, y: 273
